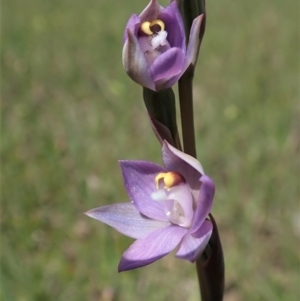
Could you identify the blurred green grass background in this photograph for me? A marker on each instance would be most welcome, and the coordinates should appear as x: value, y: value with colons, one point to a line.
x: 69, y: 112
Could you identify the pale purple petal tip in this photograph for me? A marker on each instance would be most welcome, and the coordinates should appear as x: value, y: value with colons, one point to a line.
x: 126, y: 219
x: 194, y: 42
x: 192, y: 246
x: 151, y: 12
x: 133, y: 25
x: 151, y: 248
x: 204, y: 203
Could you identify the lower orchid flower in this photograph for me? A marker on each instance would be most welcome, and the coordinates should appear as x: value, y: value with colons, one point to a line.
x: 169, y: 208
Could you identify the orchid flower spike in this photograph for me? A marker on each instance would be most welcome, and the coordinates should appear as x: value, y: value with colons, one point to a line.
x: 169, y: 208
x: 154, y: 52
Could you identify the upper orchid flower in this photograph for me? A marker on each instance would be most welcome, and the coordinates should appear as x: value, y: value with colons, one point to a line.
x: 169, y: 208
x: 154, y: 52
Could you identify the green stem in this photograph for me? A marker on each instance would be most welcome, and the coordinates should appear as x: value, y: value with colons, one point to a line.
x: 211, y: 270
x: 185, y: 86
x: 210, y: 265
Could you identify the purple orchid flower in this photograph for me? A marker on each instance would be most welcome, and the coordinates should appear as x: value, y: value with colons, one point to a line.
x: 154, y: 53
x: 169, y: 208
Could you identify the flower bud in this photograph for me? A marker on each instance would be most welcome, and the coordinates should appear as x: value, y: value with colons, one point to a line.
x: 154, y: 52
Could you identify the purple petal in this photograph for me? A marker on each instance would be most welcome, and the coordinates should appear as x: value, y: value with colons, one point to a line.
x: 193, y: 245
x: 139, y: 181
x: 126, y: 219
x: 166, y: 66
x: 135, y: 63
x: 133, y: 25
x: 151, y: 248
x: 187, y: 166
x: 151, y: 12
x: 194, y: 42
x: 204, y: 203
x: 174, y: 26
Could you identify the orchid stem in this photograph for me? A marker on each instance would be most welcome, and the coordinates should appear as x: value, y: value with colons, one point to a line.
x: 211, y: 270
x: 210, y: 265
x: 185, y: 86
